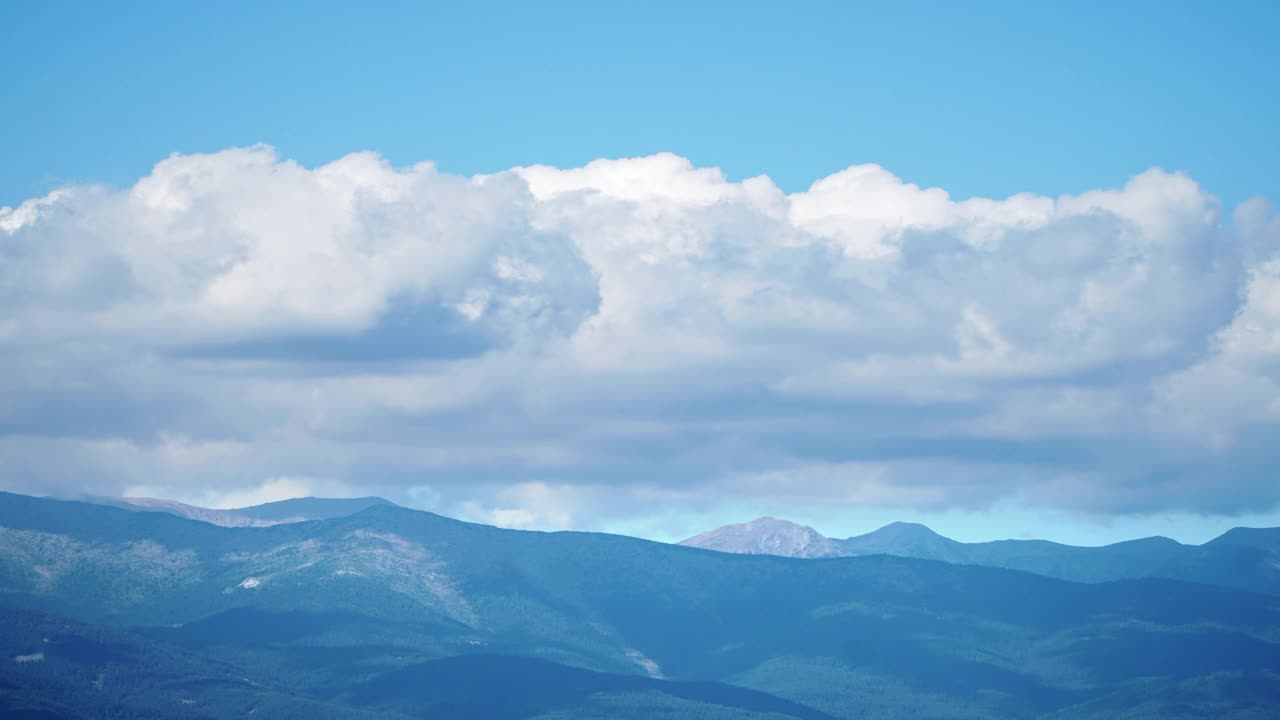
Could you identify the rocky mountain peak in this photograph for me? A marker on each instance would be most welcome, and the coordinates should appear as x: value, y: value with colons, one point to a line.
x: 767, y: 536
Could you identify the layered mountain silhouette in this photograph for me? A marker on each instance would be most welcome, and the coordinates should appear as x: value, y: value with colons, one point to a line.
x: 1247, y: 558
x: 395, y: 613
x: 272, y: 513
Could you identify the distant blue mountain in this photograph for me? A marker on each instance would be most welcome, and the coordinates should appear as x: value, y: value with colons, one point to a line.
x: 1246, y: 558
x: 272, y: 513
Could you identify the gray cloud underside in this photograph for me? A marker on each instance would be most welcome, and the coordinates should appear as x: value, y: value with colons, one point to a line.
x: 540, y: 344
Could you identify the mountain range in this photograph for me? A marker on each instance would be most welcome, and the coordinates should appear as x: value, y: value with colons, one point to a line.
x: 1245, y: 558
x: 388, y: 612
x: 272, y: 513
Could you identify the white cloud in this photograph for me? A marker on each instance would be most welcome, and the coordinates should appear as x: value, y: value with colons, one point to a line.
x: 233, y: 496
x: 1237, y: 385
x: 241, y: 244
x: 529, y: 344
x: 271, y: 490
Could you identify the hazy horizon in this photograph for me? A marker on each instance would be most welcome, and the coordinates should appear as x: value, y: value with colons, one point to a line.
x: 966, y: 529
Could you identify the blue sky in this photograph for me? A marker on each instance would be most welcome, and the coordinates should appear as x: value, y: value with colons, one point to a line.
x: 980, y: 98
x: 229, y: 279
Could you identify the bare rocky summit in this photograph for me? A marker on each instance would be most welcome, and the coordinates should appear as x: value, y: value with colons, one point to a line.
x: 768, y: 536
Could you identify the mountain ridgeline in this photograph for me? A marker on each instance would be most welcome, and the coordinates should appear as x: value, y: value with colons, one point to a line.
x: 272, y: 513
x: 394, y: 613
x: 1245, y: 558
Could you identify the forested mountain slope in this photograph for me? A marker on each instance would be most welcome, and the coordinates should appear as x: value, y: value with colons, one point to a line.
x: 356, y: 612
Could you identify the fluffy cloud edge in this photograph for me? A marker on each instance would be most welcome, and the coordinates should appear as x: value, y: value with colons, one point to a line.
x: 634, y: 319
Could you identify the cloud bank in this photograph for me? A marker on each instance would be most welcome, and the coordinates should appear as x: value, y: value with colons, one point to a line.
x: 547, y: 347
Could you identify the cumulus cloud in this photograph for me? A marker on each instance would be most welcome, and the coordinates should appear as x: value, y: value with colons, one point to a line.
x: 543, y: 346
x: 240, y: 245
